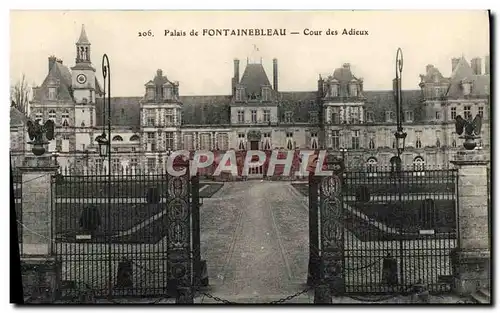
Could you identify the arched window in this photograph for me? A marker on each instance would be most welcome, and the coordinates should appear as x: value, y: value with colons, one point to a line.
x: 371, y: 165
x: 418, y: 165
x: 117, y: 138
x: 134, y: 138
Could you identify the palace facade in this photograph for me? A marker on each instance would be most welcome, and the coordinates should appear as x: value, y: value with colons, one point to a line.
x: 254, y: 114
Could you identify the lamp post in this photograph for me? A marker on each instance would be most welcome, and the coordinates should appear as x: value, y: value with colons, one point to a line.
x: 105, y: 151
x: 400, y: 145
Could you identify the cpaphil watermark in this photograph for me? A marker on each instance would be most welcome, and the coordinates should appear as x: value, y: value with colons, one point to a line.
x: 239, y: 163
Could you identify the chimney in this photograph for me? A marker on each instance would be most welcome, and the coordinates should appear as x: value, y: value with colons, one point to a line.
x: 320, y: 87
x: 159, y: 73
x: 487, y: 65
x: 347, y: 66
x: 454, y: 63
x: 52, y: 61
x: 275, y: 74
x: 476, y: 66
x: 236, y: 71
x: 428, y: 68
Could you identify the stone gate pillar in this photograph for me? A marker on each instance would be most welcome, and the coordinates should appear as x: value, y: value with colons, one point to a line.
x: 471, y: 258
x: 40, y: 269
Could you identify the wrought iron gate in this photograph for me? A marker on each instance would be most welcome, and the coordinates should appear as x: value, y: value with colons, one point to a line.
x: 385, y: 231
x: 124, y: 234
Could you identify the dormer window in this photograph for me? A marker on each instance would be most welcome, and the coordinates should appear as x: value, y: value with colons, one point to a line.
x: 150, y: 93
x: 408, y: 116
x: 466, y: 86
x: 266, y: 93
x: 288, y: 117
x: 167, y: 92
x: 370, y: 116
x: 52, y: 93
x: 353, y: 90
x: 334, y: 90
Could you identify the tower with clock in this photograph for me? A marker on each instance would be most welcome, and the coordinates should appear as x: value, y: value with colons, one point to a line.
x: 83, y: 73
x: 85, y: 89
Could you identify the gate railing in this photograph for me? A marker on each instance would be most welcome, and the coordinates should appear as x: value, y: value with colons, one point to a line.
x: 399, y: 228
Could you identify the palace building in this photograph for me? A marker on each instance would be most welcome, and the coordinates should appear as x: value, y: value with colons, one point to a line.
x: 254, y: 114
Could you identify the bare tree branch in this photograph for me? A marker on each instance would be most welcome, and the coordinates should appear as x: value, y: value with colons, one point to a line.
x: 20, y: 95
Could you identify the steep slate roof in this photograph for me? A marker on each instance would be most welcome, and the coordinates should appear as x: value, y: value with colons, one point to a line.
x: 379, y: 102
x: 58, y: 73
x: 16, y: 117
x: 463, y: 72
x: 125, y: 111
x: 343, y: 76
x: 254, y: 78
x: 299, y: 103
x: 199, y: 110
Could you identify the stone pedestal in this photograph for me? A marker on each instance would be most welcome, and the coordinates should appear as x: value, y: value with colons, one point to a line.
x: 471, y: 259
x: 41, y: 279
x: 40, y: 269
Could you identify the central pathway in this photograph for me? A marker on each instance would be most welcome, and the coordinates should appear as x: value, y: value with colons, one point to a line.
x: 255, y: 241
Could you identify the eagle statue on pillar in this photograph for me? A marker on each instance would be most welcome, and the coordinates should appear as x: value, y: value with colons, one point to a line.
x: 36, y: 133
x: 36, y: 130
x: 469, y: 130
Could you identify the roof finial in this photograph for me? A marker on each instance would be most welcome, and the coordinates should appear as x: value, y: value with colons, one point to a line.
x: 83, y: 37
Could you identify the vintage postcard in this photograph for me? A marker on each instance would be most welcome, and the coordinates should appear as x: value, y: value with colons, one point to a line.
x: 273, y: 157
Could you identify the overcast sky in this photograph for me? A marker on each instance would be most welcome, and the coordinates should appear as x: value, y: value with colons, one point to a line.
x: 204, y: 65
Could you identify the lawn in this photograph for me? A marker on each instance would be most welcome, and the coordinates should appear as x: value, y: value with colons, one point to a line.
x: 411, y: 217
x: 381, y: 188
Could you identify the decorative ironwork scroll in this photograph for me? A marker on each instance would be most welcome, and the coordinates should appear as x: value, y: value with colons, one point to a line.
x: 179, y: 231
x: 332, y: 232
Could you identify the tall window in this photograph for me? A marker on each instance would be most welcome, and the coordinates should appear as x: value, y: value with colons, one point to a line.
x: 168, y: 92
x: 241, y: 116
x: 222, y: 141
x: 169, y: 140
x: 438, y: 138
x: 289, y: 140
x: 98, y: 165
x: 453, y: 113
x: 353, y: 90
x: 150, y: 117
x: 355, y: 139
x: 115, y: 165
x: 151, y: 164
x: 480, y: 111
x: 288, y: 117
x: 314, y: 141
x: 267, y: 141
x: 241, y: 141
x: 267, y: 115
x: 239, y: 94
x: 254, y: 116
x: 453, y: 139
x: 169, y: 117
x: 369, y: 116
x: 205, y: 142
x: 335, y: 116
x: 335, y: 139
x: 335, y: 90
x: 467, y: 112
x: 418, y: 142
x: 371, y: 143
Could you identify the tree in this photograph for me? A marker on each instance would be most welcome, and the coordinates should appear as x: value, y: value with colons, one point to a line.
x: 20, y: 94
